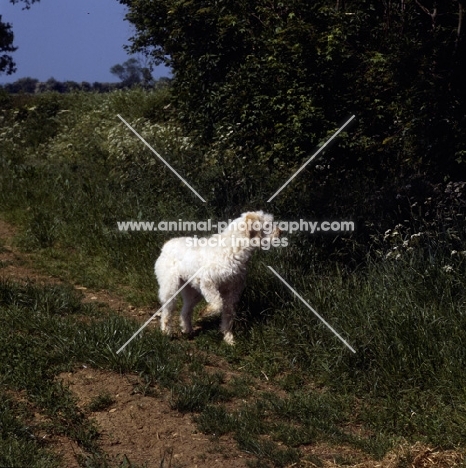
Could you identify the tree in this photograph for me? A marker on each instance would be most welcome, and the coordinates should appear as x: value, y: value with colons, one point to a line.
x: 7, y: 64
x: 27, y: 3
x: 261, y: 84
x: 132, y: 72
x: 23, y: 85
x: 6, y: 45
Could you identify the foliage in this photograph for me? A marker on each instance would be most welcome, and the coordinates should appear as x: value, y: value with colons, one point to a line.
x: 263, y: 84
x: 132, y: 72
x: 6, y: 45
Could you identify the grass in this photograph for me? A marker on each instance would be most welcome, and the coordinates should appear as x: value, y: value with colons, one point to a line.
x: 42, y: 333
x: 18, y: 445
x: 101, y: 402
x: 70, y: 171
x: 32, y: 353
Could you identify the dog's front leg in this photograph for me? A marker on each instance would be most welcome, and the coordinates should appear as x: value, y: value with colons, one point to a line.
x: 231, y: 296
x: 223, y: 302
x: 226, y: 326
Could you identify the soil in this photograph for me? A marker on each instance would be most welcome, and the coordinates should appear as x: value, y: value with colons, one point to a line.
x: 144, y: 428
x: 147, y: 431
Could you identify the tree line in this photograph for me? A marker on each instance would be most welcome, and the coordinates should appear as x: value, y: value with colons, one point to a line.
x: 131, y: 73
x: 34, y: 86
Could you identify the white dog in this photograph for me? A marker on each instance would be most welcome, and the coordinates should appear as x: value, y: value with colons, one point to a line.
x: 219, y: 265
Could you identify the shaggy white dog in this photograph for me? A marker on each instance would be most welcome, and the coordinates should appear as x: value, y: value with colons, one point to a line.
x: 219, y: 265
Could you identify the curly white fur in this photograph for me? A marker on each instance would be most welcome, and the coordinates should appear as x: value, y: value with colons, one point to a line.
x: 221, y: 259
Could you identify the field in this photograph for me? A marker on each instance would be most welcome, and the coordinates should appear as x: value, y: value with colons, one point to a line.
x: 73, y: 289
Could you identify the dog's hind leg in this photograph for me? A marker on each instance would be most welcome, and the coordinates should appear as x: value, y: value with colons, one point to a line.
x: 190, y: 298
x: 166, y: 291
x: 213, y: 297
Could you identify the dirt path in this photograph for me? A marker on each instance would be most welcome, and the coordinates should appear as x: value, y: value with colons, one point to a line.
x: 19, y: 266
x: 145, y: 428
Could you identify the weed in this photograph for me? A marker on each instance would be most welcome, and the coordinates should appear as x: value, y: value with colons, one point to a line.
x: 196, y: 395
x: 240, y: 386
x: 215, y: 420
x: 100, y: 402
x: 267, y: 450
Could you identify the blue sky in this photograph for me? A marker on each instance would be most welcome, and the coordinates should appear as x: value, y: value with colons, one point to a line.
x: 76, y: 40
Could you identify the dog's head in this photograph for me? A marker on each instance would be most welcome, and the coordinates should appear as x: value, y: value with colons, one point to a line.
x: 257, y: 227
x: 258, y: 224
